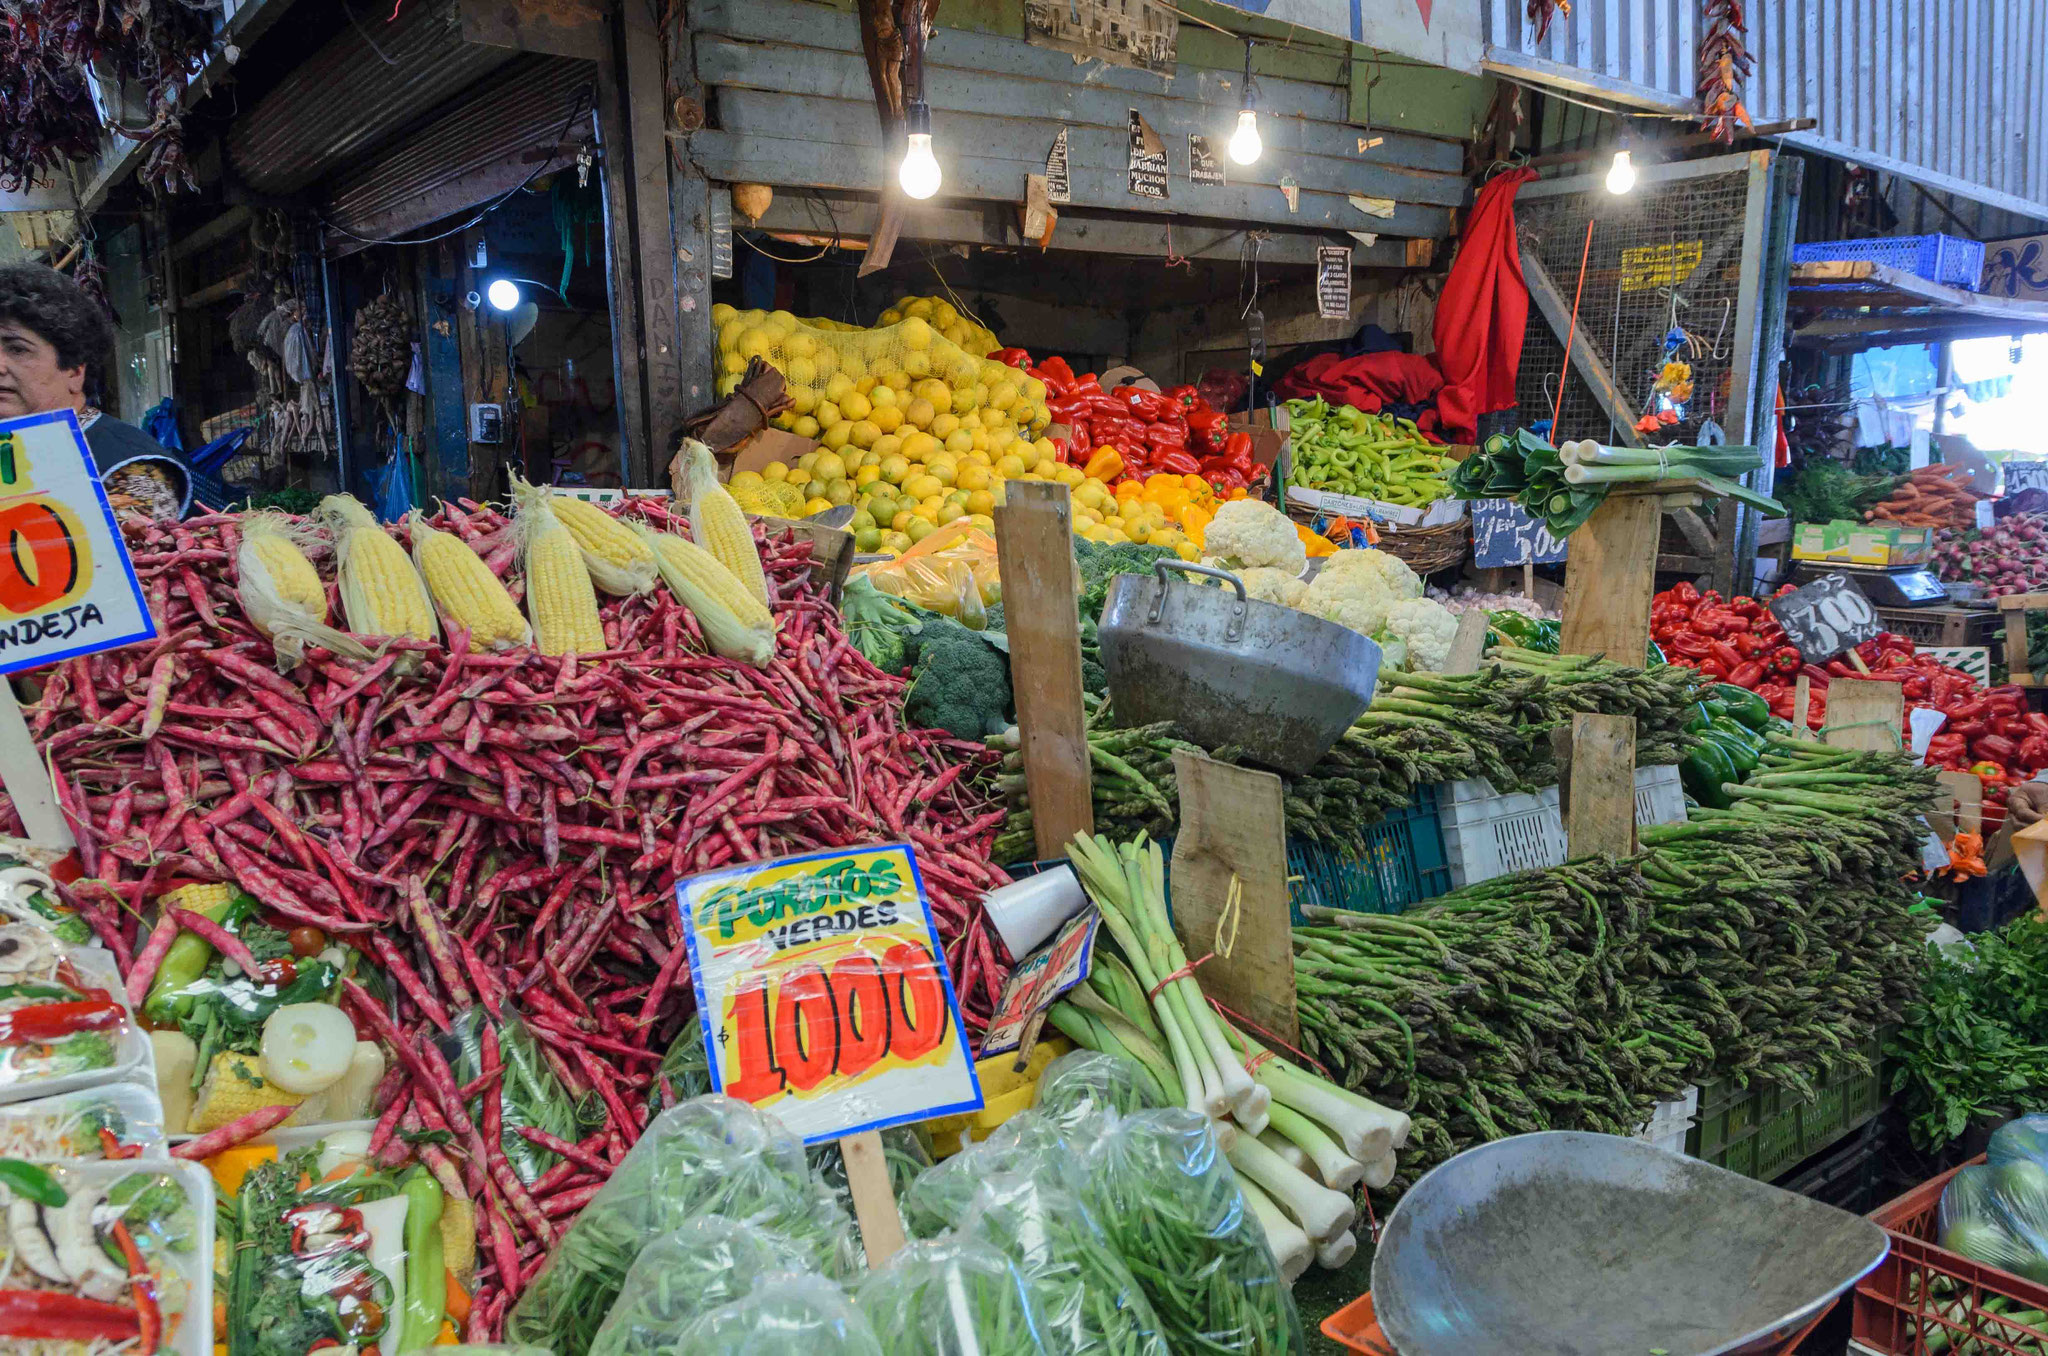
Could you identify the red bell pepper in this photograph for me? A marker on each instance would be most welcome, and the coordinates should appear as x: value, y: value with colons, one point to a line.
x: 1996, y: 746
x: 1179, y: 463
x: 1166, y: 435
x: 1685, y: 646
x: 1748, y: 644
x: 1238, y: 449
x: 2034, y: 752
x: 1746, y: 674
x: 1726, y: 654
x: 1947, y: 750
x: 1013, y: 357
x: 1684, y: 593
x: 52, y: 1315
x: 1785, y: 660
x: 2035, y: 722
x: 1713, y: 668
x: 54, y: 1021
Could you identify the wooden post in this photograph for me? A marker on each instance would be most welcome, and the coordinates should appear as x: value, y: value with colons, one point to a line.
x: 1601, y: 811
x: 28, y: 780
x: 1802, y: 704
x: 1468, y: 647
x: 1034, y: 537
x: 1610, y: 579
x: 1865, y: 713
x: 874, y: 1201
x: 1234, y: 825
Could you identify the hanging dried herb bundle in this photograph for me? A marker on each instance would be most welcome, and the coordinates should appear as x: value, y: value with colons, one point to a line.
x: 380, y: 352
x: 1724, y: 64
x: 46, y: 110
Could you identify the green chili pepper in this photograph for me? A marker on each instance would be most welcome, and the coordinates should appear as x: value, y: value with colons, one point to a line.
x: 186, y: 960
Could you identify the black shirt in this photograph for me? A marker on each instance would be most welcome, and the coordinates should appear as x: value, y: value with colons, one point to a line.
x: 113, y: 442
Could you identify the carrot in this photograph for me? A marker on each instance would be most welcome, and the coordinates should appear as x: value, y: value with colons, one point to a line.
x: 458, y: 1299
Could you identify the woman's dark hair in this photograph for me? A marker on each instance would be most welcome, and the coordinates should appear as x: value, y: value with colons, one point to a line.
x: 50, y: 305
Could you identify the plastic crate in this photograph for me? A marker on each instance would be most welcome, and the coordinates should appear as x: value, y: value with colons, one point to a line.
x: 1937, y: 258
x: 1765, y: 1130
x: 1847, y: 1176
x: 1404, y: 863
x: 1490, y: 833
x: 1895, y: 1308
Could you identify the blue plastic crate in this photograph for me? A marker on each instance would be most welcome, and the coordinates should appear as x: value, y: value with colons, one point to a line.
x: 1937, y: 258
x: 1403, y: 864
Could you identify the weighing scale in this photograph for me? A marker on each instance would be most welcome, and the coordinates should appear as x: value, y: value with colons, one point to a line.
x: 1899, y: 586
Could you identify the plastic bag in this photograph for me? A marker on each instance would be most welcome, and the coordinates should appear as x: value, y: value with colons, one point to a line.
x: 710, y: 1155
x: 903, y: 1153
x: 1083, y: 1089
x: 2025, y: 1137
x: 953, y: 571
x: 75, y: 994
x: 707, y: 1263
x: 953, y: 1296
x: 529, y: 1094
x: 1090, y: 1301
x: 785, y: 1314
x: 70, y: 1125
x: 1975, y: 1221
x: 1169, y: 1203
x: 1028, y: 1145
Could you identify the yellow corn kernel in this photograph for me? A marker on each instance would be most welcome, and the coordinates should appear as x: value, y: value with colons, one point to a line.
x: 619, y: 562
x: 381, y: 591
x: 736, y: 624
x: 274, y: 567
x: 718, y: 524
x: 200, y: 898
x: 465, y: 590
x: 234, y: 1087
x: 560, y: 599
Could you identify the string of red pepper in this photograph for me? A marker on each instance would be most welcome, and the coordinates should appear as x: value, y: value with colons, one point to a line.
x: 1174, y: 431
x: 1989, y: 731
x: 1724, y: 63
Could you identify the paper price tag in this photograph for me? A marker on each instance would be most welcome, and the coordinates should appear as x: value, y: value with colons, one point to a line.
x: 1039, y: 980
x: 823, y: 993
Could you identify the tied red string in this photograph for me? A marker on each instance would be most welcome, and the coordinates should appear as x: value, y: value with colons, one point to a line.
x: 1152, y: 995
x: 1264, y: 1055
x: 1372, y: 1223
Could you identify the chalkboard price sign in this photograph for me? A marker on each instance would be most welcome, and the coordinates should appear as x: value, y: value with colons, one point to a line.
x: 1504, y: 535
x: 1826, y: 617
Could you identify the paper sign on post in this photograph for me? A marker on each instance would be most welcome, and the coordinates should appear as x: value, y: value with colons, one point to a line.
x: 1039, y: 979
x: 823, y: 992
x: 67, y: 587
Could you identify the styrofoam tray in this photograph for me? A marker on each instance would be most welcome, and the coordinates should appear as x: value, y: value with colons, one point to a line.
x: 133, y: 1060
x: 138, y: 1107
x: 194, y: 1267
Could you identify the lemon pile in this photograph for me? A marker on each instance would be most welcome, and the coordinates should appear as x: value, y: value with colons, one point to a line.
x: 899, y: 502
x: 947, y: 320
x: 902, y: 388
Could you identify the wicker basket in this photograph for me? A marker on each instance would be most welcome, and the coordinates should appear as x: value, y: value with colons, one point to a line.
x: 1429, y: 549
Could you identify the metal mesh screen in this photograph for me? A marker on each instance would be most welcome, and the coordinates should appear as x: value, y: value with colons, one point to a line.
x: 1679, y: 239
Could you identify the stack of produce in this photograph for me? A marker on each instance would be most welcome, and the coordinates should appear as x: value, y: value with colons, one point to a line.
x: 2010, y: 556
x: 444, y: 830
x: 1174, y: 431
x: 1563, y: 486
x: 945, y: 318
x: 1932, y: 496
x: 1822, y: 490
x: 1299, y: 1143
x: 1975, y: 1038
x: 1766, y: 940
x: 1373, y: 456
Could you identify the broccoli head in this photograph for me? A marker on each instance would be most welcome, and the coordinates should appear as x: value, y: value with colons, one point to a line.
x: 960, y: 682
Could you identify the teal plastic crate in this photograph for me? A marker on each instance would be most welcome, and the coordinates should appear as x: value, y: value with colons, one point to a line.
x: 1404, y: 863
x: 1764, y: 1131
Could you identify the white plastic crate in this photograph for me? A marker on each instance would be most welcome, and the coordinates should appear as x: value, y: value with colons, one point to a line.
x: 1488, y: 833
x: 1671, y: 1140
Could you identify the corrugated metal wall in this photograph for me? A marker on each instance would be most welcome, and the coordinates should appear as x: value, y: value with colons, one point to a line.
x: 1947, y: 92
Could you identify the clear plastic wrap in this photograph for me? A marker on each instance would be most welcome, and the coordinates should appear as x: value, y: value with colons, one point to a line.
x: 784, y: 1316
x: 707, y: 1263
x: 902, y: 1150
x: 69, y: 1024
x: 486, y: 1349
x: 1976, y: 1219
x: 1169, y: 1203
x: 953, y: 1296
x: 2025, y: 1137
x: 1028, y: 1144
x: 709, y: 1155
x: 1082, y: 1090
x: 1090, y: 1301
x: 69, y: 1125
x: 528, y: 1095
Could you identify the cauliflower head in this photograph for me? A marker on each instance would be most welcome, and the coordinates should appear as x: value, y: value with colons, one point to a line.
x: 1363, y: 613
x: 1268, y: 585
x: 1248, y: 533
x: 1355, y: 589
x: 1425, y: 630
x: 1393, y: 573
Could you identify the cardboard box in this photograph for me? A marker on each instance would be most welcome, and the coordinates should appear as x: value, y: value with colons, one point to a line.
x: 770, y: 444
x: 1845, y: 543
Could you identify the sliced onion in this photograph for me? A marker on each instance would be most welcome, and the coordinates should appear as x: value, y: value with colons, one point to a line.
x: 307, y: 1047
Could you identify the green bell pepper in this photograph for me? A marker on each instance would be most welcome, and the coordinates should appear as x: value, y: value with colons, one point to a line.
x: 1742, y: 705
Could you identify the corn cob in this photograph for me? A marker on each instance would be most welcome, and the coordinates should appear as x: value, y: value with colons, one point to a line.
x: 619, y: 562
x: 465, y: 590
x: 234, y: 1087
x: 198, y: 897
x: 560, y: 600
x: 736, y: 624
x: 381, y: 591
x: 717, y: 523
x: 281, y: 593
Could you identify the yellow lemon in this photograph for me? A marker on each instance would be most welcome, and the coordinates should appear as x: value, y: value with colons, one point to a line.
x: 867, y: 475
x: 895, y: 468
x: 886, y: 417
x: 1002, y: 395
x: 754, y: 343
x: 828, y: 413
x: 1069, y: 475
x: 920, y: 412
x: 1010, y: 467
x: 918, y: 446
x: 982, y: 521
x: 901, y: 519
x: 806, y: 427
x: 945, y: 471
x: 827, y: 359
x: 1085, y: 518
x: 838, y: 387
x: 917, y: 364
x: 944, y: 424
x: 937, y: 392
x: 915, y: 334
x: 802, y: 372
x: 886, y: 446
x: 895, y: 543
x: 951, y: 512
x: 840, y: 492
x: 803, y: 399
x: 972, y: 476
x: 775, y: 470
x: 897, y: 381
x: 721, y: 313
x: 977, y: 441
x: 1187, y: 551
x: 801, y: 344
x: 867, y: 540
x: 1140, y: 531
x: 923, y: 486
x: 732, y: 364
x: 919, y: 529
x: 959, y: 440
x: 835, y: 436
x: 864, y: 433
x: 981, y: 501
x: 854, y: 405
x: 827, y: 466
x: 816, y: 504
x: 1171, y: 538
x: 885, y: 397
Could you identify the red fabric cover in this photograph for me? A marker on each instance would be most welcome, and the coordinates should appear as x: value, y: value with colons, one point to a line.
x: 1482, y: 313
x: 1371, y: 381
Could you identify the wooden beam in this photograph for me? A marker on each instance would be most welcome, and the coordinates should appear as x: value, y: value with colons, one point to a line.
x: 532, y: 28
x: 219, y: 291
x: 211, y: 233
x: 1600, y: 812
x: 1694, y: 530
x: 1610, y: 578
x: 1233, y: 829
x: 1980, y: 305
x: 1865, y: 713
x: 622, y: 257
x: 1034, y: 536
x: 1592, y: 367
x: 647, y: 155
x: 689, y: 206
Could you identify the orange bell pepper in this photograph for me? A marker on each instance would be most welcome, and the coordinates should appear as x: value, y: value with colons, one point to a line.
x: 1314, y: 542
x: 1105, y: 463
x: 1195, y: 484
x: 1194, y: 522
x: 1129, y: 489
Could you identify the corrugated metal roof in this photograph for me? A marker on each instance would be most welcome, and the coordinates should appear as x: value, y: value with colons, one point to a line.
x: 469, y: 154
x: 369, y: 83
x: 1945, y: 92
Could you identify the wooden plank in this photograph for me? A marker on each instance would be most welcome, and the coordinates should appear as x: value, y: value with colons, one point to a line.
x: 874, y: 1200
x: 534, y: 28
x: 2016, y: 644
x: 1694, y: 530
x: 1600, y: 812
x: 1610, y: 578
x: 1043, y: 106
x: 211, y: 233
x: 1233, y: 826
x: 1034, y: 536
x: 445, y: 460
x: 2023, y: 602
x: 782, y: 161
x: 622, y: 246
x: 1557, y: 311
x: 1864, y: 713
x: 480, y: 341
x: 646, y: 102
x: 1468, y: 646
x: 27, y: 778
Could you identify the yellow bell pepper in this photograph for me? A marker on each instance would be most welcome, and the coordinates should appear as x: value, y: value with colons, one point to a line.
x: 1105, y: 463
x: 1173, y: 501
x: 1129, y: 489
x: 1161, y: 479
x: 1196, y: 484
x: 1315, y: 542
x: 1194, y: 521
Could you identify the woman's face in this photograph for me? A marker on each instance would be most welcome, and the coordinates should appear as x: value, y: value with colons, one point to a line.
x: 30, y: 379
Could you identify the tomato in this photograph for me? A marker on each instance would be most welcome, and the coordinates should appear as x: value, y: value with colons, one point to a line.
x: 306, y: 941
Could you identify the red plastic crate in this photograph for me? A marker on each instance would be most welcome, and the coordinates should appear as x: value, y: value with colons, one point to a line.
x: 1356, y: 1327
x: 1894, y: 1314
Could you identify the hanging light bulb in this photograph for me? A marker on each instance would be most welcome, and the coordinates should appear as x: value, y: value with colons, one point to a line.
x: 1621, y: 175
x: 920, y: 175
x: 503, y: 294
x: 1245, y: 146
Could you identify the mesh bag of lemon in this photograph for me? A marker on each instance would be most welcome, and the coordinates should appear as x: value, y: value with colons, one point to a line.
x: 859, y: 388
x: 947, y: 320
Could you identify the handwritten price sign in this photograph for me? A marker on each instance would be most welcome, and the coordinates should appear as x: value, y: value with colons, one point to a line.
x: 67, y: 587
x: 1826, y: 617
x: 823, y: 992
